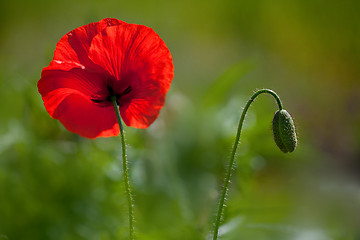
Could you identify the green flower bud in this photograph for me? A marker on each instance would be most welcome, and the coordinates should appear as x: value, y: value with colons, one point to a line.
x: 284, y: 131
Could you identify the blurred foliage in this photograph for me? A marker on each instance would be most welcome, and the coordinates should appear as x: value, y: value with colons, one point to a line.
x: 56, y: 185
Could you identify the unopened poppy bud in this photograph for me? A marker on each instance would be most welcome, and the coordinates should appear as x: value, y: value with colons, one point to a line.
x: 284, y: 131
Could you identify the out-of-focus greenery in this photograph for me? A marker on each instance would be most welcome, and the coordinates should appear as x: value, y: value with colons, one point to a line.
x: 56, y: 185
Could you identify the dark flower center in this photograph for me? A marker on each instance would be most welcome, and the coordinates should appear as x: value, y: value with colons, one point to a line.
x: 112, y: 94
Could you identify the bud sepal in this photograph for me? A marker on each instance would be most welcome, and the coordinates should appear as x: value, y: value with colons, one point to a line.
x: 284, y: 131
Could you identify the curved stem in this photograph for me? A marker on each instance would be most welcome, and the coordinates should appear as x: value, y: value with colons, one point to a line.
x: 231, y: 163
x: 125, y: 169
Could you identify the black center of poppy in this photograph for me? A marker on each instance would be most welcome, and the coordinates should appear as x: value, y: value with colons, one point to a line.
x: 112, y: 94
x: 111, y: 91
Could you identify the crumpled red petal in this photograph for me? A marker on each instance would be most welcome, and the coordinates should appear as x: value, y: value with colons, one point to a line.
x: 81, y: 116
x: 66, y: 96
x: 72, y: 49
x: 89, y: 83
x: 135, y: 55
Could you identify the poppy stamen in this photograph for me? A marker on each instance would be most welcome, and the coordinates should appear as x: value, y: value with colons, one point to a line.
x: 127, y: 90
x: 111, y: 91
x: 96, y: 100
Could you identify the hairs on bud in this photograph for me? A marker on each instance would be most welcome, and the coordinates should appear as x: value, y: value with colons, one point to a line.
x: 284, y: 131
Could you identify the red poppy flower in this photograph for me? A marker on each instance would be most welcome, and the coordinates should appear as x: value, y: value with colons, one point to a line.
x: 109, y: 58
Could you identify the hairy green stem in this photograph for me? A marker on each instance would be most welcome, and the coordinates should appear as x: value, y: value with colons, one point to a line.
x: 232, y: 157
x: 125, y: 169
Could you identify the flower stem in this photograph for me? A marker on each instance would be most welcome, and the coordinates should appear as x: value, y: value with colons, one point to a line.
x: 125, y: 169
x: 231, y: 163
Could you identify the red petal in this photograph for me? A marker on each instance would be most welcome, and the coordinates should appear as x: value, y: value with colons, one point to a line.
x: 72, y: 49
x: 141, y: 113
x: 135, y: 56
x: 67, y: 96
x: 91, y: 84
x: 81, y: 116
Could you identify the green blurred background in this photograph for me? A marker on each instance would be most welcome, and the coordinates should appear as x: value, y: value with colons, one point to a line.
x: 56, y: 185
